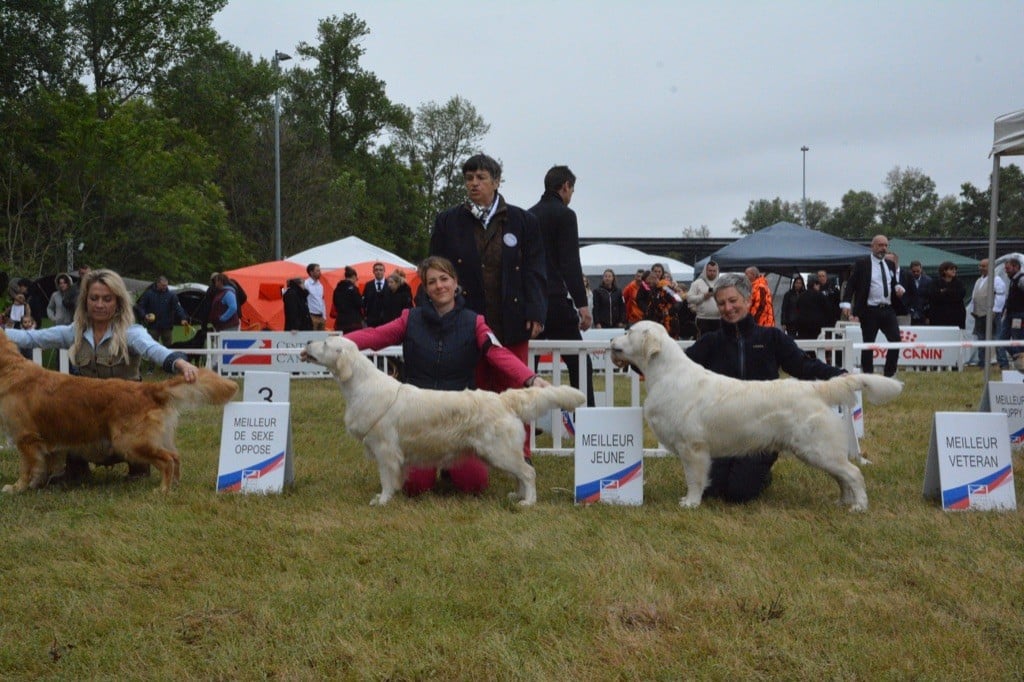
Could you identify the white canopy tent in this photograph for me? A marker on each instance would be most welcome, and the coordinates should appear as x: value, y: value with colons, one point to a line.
x: 1008, y: 141
x: 347, y: 251
x: 625, y: 261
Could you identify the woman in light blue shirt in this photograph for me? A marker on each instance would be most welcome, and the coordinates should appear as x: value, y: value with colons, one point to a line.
x: 103, y: 342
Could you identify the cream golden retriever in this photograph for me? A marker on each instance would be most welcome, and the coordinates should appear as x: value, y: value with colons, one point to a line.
x: 401, y: 424
x: 46, y: 413
x: 698, y: 414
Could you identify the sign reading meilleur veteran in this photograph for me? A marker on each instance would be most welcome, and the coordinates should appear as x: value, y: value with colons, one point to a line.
x: 969, y: 464
x: 609, y: 455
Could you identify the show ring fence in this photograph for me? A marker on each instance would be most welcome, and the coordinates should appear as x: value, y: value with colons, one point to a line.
x: 923, y: 349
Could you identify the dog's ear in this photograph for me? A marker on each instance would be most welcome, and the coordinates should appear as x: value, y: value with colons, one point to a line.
x: 651, y: 344
x: 343, y: 365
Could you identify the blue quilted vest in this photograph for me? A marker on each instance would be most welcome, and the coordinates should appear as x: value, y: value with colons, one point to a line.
x: 441, y: 352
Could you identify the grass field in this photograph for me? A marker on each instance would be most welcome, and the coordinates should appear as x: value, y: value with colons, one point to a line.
x: 111, y: 580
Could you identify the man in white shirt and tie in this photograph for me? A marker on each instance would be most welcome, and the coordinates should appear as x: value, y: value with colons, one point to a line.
x: 315, y: 300
x: 869, y: 293
x: 373, y: 297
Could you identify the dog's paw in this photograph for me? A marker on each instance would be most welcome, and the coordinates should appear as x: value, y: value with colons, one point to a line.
x: 9, y: 489
x: 688, y: 503
x: 379, y: 500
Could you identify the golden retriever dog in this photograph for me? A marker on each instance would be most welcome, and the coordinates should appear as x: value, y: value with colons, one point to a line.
x: 698, y: 414
x: 46, y: 412
x: 401, y: 424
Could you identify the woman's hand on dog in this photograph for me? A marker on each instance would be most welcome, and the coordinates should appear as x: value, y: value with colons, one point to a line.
x: 187, y: 370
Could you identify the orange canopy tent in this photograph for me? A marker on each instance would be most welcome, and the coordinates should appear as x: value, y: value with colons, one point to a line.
x: 264, y: 283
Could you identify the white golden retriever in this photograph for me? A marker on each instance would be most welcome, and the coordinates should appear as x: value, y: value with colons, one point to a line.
x: 401, y: 424
x: 698, y: 414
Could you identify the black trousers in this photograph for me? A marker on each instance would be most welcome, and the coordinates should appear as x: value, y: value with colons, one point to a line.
x: 740, y: 479
x: 879, y: 319
x: 564, y: 325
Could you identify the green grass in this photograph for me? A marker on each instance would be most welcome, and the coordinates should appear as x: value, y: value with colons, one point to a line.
x: 111, y: 580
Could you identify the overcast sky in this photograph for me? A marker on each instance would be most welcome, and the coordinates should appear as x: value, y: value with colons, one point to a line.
x: 677, y: 114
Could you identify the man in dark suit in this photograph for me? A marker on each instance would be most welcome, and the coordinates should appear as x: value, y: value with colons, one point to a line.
x: 374, y: 293
x: 498, y: 253
x: 560, y: 232
x: 917, y: 296
x: 870, y: 292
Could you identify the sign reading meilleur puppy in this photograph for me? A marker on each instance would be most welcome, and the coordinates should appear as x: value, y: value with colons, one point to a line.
x: 1006, y: 397
x: 609, y: 455
x: 256, y: 442
x: 969, y: 464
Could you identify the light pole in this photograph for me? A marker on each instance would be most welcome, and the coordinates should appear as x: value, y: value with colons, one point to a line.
x: 278, y: 58
x: 805, y: 149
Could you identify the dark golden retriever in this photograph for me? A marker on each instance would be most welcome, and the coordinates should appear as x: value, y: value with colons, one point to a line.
x: 46, y: 412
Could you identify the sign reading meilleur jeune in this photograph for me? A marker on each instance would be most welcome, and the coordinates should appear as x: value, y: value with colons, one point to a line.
x: 609, y: 455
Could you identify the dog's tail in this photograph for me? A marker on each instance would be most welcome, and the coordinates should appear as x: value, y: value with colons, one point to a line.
x: 209, y: 389
x: 841, y: 390
x: 530, y: 403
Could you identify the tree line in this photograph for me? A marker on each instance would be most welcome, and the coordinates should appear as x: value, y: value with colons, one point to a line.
x: 909, y: 208
x: 134, y: 130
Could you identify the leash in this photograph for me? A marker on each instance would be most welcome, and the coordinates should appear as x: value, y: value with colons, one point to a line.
x: 383, y: 414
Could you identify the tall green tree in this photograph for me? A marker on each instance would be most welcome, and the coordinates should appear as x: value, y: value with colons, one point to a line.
x: 127, y: 46
x: 227, y: 98
x: 40, y: 188
x: 442, y: 136
x: 907, y: 209
x: 975, y: 206
x: 338, y: 100
x: 761, y: 213
x: 155, y: 206
x: 856, y: 217
x: 38, y: 47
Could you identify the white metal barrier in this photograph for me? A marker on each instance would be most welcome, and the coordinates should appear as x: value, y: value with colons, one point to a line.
x: 232, y: 353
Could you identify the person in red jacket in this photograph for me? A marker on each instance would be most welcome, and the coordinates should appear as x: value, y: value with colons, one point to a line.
x: 442, y: 343
x: 762, y: 309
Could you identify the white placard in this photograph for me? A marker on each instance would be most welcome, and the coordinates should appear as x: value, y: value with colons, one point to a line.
x: 969, y: 464
x: 1008, y: 398
x: 609, y: 455
x: 267, y: 387
x: 273, y: 387
x: 253, y: 447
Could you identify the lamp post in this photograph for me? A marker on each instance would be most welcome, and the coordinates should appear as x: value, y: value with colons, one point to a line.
x: 278, y: 58
x: 805, y: 149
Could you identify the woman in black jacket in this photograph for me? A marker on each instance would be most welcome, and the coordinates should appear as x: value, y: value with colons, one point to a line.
x: 296, y: 309
x: 399, y: 296
x: 790, y: 310
x: 742, y: 349
x: 348, y: 303
x: 946, y: 298
x: 609, y: 308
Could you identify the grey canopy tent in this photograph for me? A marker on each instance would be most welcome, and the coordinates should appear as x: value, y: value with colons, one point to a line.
x: 786, y: 248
